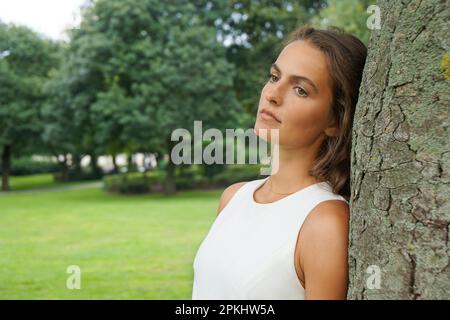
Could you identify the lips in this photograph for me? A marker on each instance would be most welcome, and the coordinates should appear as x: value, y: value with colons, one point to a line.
x: 269, y: 113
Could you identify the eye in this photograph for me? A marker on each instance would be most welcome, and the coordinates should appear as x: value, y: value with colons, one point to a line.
x: 272, y: 77
x: 301, y: 92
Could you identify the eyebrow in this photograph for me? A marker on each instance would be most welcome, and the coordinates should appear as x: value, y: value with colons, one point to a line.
x: 297, y: 77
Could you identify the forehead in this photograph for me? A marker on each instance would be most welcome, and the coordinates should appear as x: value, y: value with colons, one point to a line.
x: 302, y: 58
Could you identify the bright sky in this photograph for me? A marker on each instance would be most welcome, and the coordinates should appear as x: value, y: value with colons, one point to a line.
x: 48, y: 17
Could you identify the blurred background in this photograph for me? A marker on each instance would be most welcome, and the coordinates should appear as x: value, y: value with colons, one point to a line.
x: 90, y: 92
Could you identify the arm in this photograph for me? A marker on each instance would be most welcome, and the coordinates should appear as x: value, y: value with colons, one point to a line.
x: 324, y: 253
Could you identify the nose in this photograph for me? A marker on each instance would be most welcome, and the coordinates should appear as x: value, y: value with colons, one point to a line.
x: 273, y: 95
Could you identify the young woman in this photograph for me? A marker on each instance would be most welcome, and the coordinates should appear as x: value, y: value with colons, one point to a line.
x: 286, y: 236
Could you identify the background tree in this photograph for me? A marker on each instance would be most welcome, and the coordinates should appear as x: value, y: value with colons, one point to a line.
x: 61, y: 134
x: 144, y: 68
x: 401, y: 158
x: 350, y: 15
x: 26, y: 60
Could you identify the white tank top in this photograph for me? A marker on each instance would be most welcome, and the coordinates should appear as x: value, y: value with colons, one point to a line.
x: 248, y: 253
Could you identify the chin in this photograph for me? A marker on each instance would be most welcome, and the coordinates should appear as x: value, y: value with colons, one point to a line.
x: 264, y: 131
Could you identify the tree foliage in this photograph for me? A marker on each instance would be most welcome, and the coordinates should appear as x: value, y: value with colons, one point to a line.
x: 26, y: 61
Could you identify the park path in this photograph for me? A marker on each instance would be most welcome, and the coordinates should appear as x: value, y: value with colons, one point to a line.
x: 96, y: 184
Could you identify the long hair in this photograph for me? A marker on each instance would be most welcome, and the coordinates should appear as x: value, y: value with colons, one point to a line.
x: 346, y: 56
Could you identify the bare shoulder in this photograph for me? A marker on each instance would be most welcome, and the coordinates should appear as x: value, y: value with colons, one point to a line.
x: 326, y: 231
x: 329, y: 219
x: 330, y: 214
x: 228, y: 193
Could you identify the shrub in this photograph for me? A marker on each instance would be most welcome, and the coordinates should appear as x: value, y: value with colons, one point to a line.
x: 133, y: 183
x: 78, y: 175
x: 191, y: 177
x: 27, y: 166
x: 236, y: 173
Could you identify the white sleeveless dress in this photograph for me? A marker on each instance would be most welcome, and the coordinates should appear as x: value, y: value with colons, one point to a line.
x: 248, y: 252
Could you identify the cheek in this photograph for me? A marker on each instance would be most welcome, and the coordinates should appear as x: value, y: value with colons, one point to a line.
x: 303, y: 123
x: 303, y: 115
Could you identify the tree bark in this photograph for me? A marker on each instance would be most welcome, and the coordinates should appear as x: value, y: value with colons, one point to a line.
x: 6, y: 167
x: 400, y: 209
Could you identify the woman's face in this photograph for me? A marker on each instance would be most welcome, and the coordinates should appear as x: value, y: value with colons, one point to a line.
x: 298, y: 93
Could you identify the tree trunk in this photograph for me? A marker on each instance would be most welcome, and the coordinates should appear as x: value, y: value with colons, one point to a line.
x: 95, y: 169
x: 64, y: 169
x: 114, y: 161
x: 400, y: 208
x: 169, y: 181
x: 93, y: 163
x: 6, y: 167
x: 76, y: 159
x: 130, y: 163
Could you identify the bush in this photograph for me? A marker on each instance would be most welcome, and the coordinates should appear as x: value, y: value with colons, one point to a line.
x: 212, y: 169
x: 133, y: 183
x: 236, y: 173
x: 78, y: 175
x: 191, y: 177
x: 27, y: 166
x: 189, y: 182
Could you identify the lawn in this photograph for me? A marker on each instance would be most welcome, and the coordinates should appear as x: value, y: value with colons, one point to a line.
x: 36, y: 181
x: 127, y: 247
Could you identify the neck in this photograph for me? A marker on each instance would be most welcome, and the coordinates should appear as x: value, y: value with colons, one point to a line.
x: 290, y: 168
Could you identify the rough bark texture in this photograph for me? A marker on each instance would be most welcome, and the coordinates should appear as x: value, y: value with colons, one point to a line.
x: 401, y: 157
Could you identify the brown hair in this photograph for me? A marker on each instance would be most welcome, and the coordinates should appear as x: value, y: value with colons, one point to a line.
x: 346, y: 56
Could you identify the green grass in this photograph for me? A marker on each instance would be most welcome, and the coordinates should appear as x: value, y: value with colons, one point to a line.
x: 128, y: 247
x: 36, y: 181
